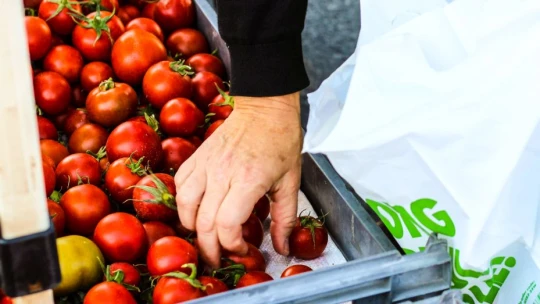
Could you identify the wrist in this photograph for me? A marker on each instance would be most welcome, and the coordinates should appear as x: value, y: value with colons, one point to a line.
x: 285, y: 105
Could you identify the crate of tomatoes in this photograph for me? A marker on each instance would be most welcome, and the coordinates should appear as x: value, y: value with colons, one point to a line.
x: 125, y: 92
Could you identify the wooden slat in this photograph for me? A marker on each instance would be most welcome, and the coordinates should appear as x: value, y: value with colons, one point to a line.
x: 23, y: 208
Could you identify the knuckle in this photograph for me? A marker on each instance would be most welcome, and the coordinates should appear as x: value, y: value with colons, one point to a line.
x: 204, y: 223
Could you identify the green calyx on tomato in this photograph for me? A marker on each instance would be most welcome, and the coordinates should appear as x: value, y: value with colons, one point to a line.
x: 153, y: 123
x: 160, y: 193
x: 312, y: 223
x: 62, y: 4
x: 30, y: 12
x: 56, y: 196
x: 230, y: 274
x: 106, y: 85
x: 117, y: 276
x: 97, y: 23
x: 136, y: 167
x: 191, y: 279
x: 180, y: 68
x: 101, y: 153
x: 229, y: 100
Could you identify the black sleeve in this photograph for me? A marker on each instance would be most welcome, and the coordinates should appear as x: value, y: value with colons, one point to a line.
x: 264, y: 40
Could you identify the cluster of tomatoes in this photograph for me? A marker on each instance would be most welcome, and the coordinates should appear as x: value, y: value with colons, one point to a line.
x: 126, y: 91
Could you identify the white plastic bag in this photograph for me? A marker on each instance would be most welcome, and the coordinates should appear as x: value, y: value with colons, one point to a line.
x: 440, y: 131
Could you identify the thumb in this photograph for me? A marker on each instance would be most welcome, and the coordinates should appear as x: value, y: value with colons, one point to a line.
x: 284, y: 214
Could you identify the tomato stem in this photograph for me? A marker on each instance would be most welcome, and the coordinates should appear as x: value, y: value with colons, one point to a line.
x: 106, y: 85
x: 136, y: 167
x: 102, y: 153
x: 180, y: 68
x: 229, y: 100
x: 191, y: 279
x: 97, y: 23
x: 160, y: 193
x: 56, y: 196
x: 61, y: 4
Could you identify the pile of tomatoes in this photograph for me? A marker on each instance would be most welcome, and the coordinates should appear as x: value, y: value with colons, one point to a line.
x: 126, y: 91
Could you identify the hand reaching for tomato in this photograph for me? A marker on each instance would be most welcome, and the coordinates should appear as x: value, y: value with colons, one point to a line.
x: 256, y: 151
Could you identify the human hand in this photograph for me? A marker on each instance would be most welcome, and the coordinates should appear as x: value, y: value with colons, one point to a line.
x: 256, y: 151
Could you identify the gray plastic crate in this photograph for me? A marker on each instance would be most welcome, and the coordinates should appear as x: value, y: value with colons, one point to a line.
x: 376, y: 271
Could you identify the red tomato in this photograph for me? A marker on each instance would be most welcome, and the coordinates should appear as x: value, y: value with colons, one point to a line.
x: 212, y: 285
x: 108, y: 292
x: 110, y: 5
x: 213, y: 127
x: 121, y: 237
x: 137, y: 139
x: 46, y: 160
x: 166, y: 80
x: 308, y: 238
x: 32, y: 3
x: 182, y: 231
x: 253, y: 231
x: 88, y: 137
x: 176, y: 151
x: 84, y: 206
x: 104, y: 164
x: 170, y: 290
x: 156, y: 230
x: 252, y: 278
x: 146, y: 24
x: 195, y: 141
x: 262, y: 208
x: 57, y: 216
x: 39, y: 37
x: 57, y: 40
x: 78, y: 96
x: 60, y: 120
x: 57, y: 14
x: 46, y: 128
x: 66, y: 61
x: 6, y: 300
x: 127, y: 13
x: 221, y: 106
x: 180, y: 117
x: 295, y: 269
x: 53, y: 149
x: 159, y: 205
x: 135, y: 52
x: 94, y: 42
x: 78, y: 168
x: 169, y: 254
x: 94, y: 73
x: 252, y: 261
x: 187, y: 42
x: 49, y: 178
x: 206, y: 63
x: 123, y: 174
x: 174, y: 14
x: 205, y: 88
x: 52, y: 92
x: 75, y: 120
x: 149, y: 10
x: 111, y: 103
x: 131, y: 274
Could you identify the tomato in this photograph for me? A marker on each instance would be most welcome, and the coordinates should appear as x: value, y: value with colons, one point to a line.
x: 108, y: 292
x: 6, y: 300
x: 56, y: 213
x: 174, y: 14
x: 75, y: 120
x: 135, y: 52
x: 212, y: 285
x: 176, y: 151
x: 127, y: 13
x: 66, y: 61
x: 169, y: 254
x: 89, y: 137
x: 82, y: 274
x: 221, y: 106
x: 78, y: 168
x: 52, y: 92
x: 180, y: 117
x: 252, y: 278
x: 121, y: 237
x: 78, y: 96
x: 137, y: 139
x: 94, y: 73
x: 295, y: 269
x: 253, y: 231
x: 32, y: 3
x: 92, y: 39
x: 182, y: 231
x: 195, y: 140
x: 146, y: 24
x: 111, y: 103
x: 213, y: 127
x: 46, y: 160
x: 252, y: 261
x: 171, y: 290
x: 39, y: 37
x: 187, y: 42
x: 156, y: 230
x: 308, y: 238
x: 130, y: 273
x: 60, y: 119
x: 49, y: 178
x: 149, y: 10
x: 262, y: 208
x: 158, y: 203
x: 203, y: 62
x: 106, y: 5
x: 166, y: 80
x: 57, y: 14
x: 46, y: 129
x: 205, y: 88
x: 84, y: 206
x: 53, y: 149
x: 57, y: 40
x: 123, y: 174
